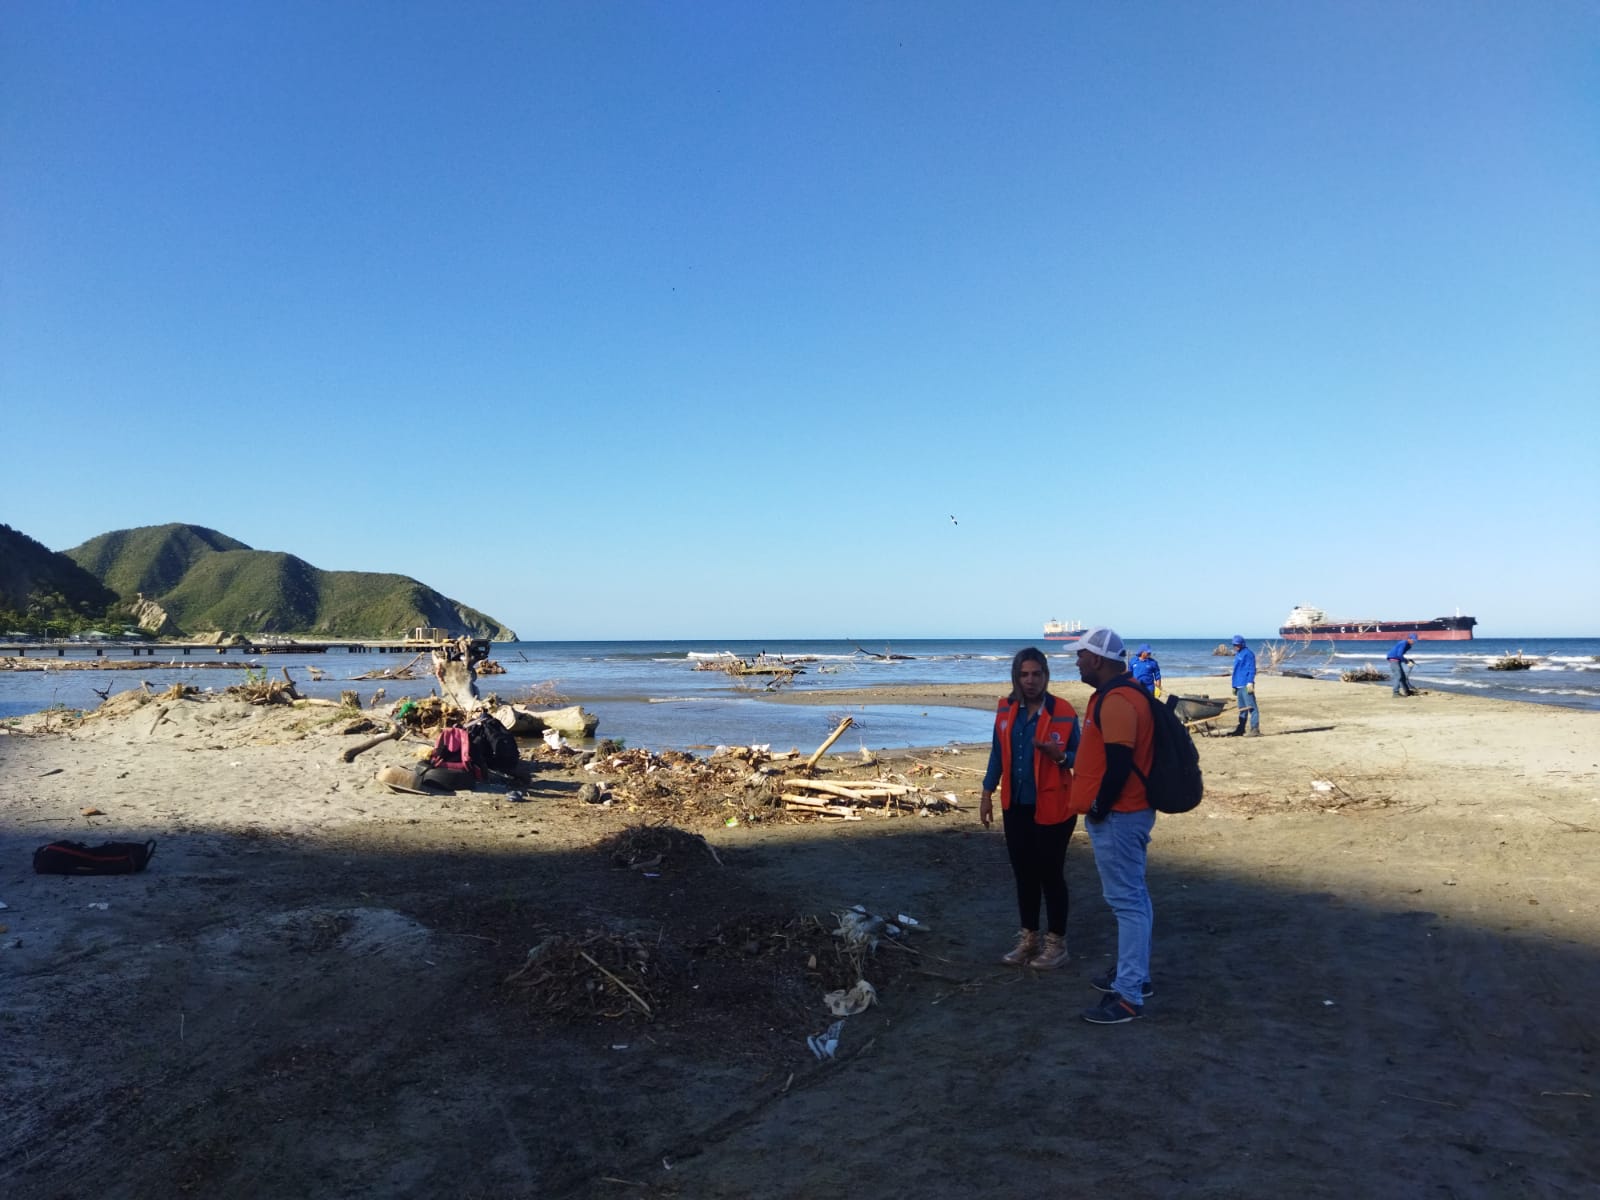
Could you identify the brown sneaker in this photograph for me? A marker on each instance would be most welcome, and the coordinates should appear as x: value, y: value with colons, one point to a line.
x: 1027, y: 946
x: 1053, y: 955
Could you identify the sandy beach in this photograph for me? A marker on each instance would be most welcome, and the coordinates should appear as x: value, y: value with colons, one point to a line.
x: 1377, y: 947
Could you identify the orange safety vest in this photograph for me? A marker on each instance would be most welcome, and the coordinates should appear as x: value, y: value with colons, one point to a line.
x: 1053, y: 783
x: 1091, y: 763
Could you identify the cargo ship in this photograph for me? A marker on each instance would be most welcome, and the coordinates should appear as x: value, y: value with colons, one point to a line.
x: 1307, y: 624
x: 1063, y: 631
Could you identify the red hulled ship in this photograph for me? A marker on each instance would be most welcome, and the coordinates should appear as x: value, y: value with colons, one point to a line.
x: 1307, y: 624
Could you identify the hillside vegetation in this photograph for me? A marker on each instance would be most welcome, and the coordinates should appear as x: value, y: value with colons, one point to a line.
x: 44, y: 592
x: 206, y: 581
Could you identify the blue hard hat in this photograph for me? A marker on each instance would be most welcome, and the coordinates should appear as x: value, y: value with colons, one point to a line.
x: 1144, y: 649
x: 1238, y: 639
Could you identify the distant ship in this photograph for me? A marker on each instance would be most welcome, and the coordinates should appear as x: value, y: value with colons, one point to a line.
x: 1063, y: 631
x: 1307, y: 624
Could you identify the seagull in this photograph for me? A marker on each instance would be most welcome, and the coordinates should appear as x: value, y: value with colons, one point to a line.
x: 953, y: 520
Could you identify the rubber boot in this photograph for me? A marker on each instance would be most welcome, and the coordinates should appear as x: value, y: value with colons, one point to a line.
x: 1239, y: 732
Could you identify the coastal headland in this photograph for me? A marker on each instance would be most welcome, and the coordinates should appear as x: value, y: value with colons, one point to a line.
x: 1377, y: 944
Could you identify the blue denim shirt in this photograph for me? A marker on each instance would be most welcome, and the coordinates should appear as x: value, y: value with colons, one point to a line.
x: 1400, y: 650
x: 1244, y: 667
x: 1023, y: 789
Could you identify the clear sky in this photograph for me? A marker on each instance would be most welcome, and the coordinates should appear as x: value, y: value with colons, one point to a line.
x: 705, y: 319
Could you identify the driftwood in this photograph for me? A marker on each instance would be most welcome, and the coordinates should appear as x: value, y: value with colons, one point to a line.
x: 832, y: 738
x: 866, y: 789
x: 519, y: 721
x: 843, y: 798
x: 572, y: 720
x: 885, y: 655
x: 1513, y: 662
x: 401, y: 672
x: 458, y: 682
x: 820, y: 809
x: 349, y: 755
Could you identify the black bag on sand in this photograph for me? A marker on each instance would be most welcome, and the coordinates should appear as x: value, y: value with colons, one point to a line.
x: 493, y: 746
x: 74, y: 858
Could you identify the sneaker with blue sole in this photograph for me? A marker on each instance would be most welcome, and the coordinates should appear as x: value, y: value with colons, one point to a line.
x: 1112, y: 1010
x: 1108, y: 983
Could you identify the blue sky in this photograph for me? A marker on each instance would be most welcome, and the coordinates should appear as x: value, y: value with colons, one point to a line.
x: 681, y: 320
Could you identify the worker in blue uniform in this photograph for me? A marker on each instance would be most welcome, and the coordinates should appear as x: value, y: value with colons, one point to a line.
x: 1147, y: 671
x: 1398, y: 662
x: 1244, y: 687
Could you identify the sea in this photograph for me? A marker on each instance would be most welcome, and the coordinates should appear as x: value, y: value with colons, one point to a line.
x: 650, y: 694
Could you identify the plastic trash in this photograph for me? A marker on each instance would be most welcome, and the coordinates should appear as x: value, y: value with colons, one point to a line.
x: 102, y: 905
x: 826, y: 1043
x: 857, y: 927
x: 515, y: 796
x: 849, y: 1002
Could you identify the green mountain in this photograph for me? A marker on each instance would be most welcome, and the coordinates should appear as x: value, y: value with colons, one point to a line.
x: 152, y: 559
x: 39, y: 586
x: 205, y: 581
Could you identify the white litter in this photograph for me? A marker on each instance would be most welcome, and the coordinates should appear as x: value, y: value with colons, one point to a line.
x: 102, y: 905
x: 847, y: 1003
x: 553, y: 739
x: 1321, y: 785
x: 824, y: 1044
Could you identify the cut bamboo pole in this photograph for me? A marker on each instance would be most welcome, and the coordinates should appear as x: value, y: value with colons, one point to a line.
x: 865, y: 787
x: 832, y: 738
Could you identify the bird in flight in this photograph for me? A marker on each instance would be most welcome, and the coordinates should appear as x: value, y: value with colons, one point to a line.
x: 953, y: 520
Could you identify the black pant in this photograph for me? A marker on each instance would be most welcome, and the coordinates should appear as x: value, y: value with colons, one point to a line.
x: 1038, y: 860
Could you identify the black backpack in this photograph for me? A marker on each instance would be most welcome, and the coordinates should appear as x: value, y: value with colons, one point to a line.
x: 1174, y: 784
x: 492, y: 745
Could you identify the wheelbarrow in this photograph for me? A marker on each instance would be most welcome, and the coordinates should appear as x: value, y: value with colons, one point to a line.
x: 1190, y: 709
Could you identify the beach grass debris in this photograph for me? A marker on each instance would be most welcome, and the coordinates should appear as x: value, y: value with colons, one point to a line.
x: 1513, y: 662
x: 1366, y: 673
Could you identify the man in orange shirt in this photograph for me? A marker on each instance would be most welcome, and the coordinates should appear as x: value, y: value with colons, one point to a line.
x: 1114, y: 756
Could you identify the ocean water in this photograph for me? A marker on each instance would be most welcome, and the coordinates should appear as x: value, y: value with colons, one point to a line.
x: 649, y: 694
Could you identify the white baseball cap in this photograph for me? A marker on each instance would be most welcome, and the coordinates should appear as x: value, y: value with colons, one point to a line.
x: 1103, y: 642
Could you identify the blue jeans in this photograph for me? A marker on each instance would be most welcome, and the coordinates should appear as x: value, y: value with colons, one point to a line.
x: 1402, y: 685
x: 1119, y: 845
x: 1247, y: 704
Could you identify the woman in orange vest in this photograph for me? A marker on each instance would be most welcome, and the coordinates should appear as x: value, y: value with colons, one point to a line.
x: 1035, y: 739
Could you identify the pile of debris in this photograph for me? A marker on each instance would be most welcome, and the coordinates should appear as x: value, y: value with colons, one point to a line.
x: 648, y: 848
x: 844, y: 800
x: 1513, y: 662
x: 258, y: 689
x: 596, y: 973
